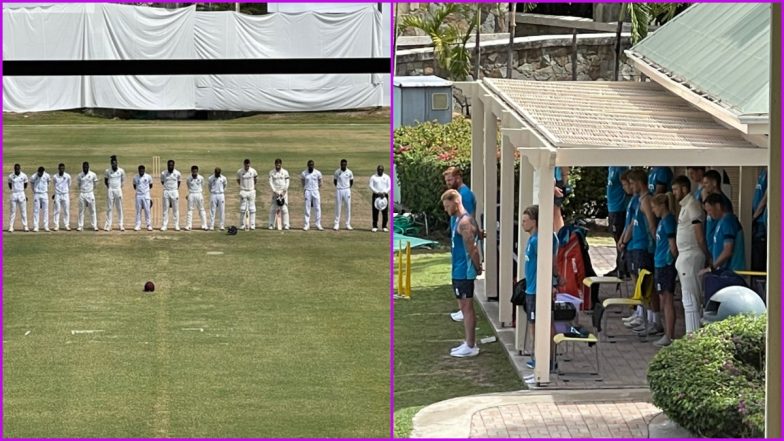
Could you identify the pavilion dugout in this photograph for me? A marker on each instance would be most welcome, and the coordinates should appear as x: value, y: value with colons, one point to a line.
x: 588, y: 124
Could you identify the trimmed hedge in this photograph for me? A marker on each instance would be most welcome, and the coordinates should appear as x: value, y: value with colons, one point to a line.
x: 712, y: 383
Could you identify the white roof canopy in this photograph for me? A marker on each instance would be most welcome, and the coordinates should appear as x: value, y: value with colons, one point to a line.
x: 636, y: 122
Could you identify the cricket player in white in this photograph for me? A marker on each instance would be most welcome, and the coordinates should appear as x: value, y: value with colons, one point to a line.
x: 142, y: 183
x: 85, y: 183
x: 311, y: 181
x: 195, y: 198
x: 62, y: 197
x: 217, y: 185
x: 170, y: 178
x: 246, y: 178
x: 17, y: 183
x: 114, y: 178
x: 692, y: 251
x: 40, y: 183
x: 279, y: 183
x: 380, y: 185
x: 343, y: 180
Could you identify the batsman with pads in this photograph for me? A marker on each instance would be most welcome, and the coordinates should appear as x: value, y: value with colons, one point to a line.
x: 279, y: 209
x: 246, y: 178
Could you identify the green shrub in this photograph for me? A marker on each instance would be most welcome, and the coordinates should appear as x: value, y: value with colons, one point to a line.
x: 712, y: 382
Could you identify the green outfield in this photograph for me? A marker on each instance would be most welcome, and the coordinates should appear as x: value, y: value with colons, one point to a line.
x: 263, y: 334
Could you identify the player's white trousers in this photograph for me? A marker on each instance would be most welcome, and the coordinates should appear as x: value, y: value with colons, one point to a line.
x: 284, y: 211
x: 62, y: 204
x: 87, y: 200
x: 196, y: 201
x: 312, y: 197
x: 217, y: 203
x: 143, y: 205
x: 688, y: 264
x: 343, y: 197
x: 171, y: 198
x: 40, y: 203
x: 248, y: 205
x: 18, y: 202
x: 114, y: 198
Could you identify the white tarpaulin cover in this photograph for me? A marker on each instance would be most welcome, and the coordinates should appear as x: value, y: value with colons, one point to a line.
x: 117, y: 32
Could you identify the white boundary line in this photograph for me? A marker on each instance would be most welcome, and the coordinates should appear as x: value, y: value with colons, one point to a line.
x: 86, y: 331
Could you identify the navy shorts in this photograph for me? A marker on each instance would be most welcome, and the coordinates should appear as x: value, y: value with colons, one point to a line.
x: 640, y: 259
x: 616, y: 221
x: 559, y: 201
x: 530, y: 307
x: 463, y: 289
x: 664, y: 279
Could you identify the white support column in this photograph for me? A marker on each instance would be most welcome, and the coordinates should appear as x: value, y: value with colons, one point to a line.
x: 525, y: 199
x: 544, y: 269
x: 507, y: 232
x: 490, y: 198
x: 746, y: 187
x: 477, y: 152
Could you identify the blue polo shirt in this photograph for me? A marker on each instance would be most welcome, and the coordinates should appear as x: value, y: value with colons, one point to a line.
x: 616, y: 197
x: 665, y: 231
x: 659, y: 176
x: 531, y: 249
x: 729, y: 230
x: 469, y: 203
x: 641, y: 236
x: 631, y: 208
x: 759, y: 192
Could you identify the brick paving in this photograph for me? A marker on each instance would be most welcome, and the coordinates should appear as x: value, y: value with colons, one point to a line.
x: 576, y: 419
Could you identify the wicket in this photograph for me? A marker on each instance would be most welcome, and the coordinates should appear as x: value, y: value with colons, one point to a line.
x: 156, y: 175
x: 404, y: 290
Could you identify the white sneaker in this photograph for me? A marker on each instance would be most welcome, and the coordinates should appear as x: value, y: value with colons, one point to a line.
x: 11, y: 229
x: 386, y: 230
x: 319, y: 227
x: 336, y: 227
x: 286, y: 227
x: 107, y: 229
x: 374, y: 230
x: 137, y: 228
x: 95, y: 228
x: 27, y: 230
x: 306, y: 228
x: 457, y: 316
x: 177, y: 228
x: 466, y: 352
x: 67, y: 228
x: 270, y: 227
x: 204, y: 227
x: 78, y: 228
x: 662, y: 342
x: 187, y: 228
x: 252, y: 227
x: 530, y: 381
x: 46, y: 229
x: 633, y: 323
x: 459, y: 347
x: 242, y: 227
x: 163, y: 228
x: 56, y: 229
x: 35, y: 230
x: 149, y: 227
x: 122, y: 229
x: 348, y: 227
x: 652, y: 329
x: 222, y: 228
x: 212, y: 228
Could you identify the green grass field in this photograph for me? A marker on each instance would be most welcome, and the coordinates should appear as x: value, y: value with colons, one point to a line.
x: 263, y: 334
x: 425, y: 373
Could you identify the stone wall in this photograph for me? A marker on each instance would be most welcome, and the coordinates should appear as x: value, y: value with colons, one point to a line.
x: 534, y: 58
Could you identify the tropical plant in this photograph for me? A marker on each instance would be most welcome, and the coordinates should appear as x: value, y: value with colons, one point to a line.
x: 640, y: 16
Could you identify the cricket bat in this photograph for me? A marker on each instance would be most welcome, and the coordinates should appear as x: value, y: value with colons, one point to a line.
x: 278, y: 219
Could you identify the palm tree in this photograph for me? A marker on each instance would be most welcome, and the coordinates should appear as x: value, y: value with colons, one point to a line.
x: 641, y: 15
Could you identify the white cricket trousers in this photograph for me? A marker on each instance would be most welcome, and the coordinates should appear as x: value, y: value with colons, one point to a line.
x: 143, y: 204
x: 87, y: 200
x: 217, y: 202
x: 284, y: 211
x: 688, y: 265
x: 18, y: 202
x: 196, y: 201
x: 113, y: 198
x: 62, y: 204
x: 312, y: 197
x: 343, y: 196
x: 171, y: 197
x: 248, y: 204
x: 40, y: 202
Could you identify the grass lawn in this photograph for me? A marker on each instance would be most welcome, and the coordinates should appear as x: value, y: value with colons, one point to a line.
x: 425, y: 373
x: 264, y: 334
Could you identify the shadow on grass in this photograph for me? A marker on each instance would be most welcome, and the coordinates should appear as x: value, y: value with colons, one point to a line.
x: 425, y: 373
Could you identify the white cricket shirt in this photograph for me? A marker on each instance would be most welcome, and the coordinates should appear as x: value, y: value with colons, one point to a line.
x: 344, y: 178
x: 685, y: 238
x: 116, y: 178
x: 195, y: 185
x: 279, y: 180
x: 246, y: 178
x: 170, y: 180
x: 17, y: 182
x: 217, y: 185
x: 311, y: 179
x: 62, y: 184
x: 40, y: 183
x: 86, y: 182
x: 143, y: 184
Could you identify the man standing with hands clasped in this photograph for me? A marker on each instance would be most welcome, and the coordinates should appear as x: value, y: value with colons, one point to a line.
x: 344, y: 180
x: 40, y: 182
x: 466, y: 266
x: 62, y: 197
x: 380, y: 184
x: 311, y: 181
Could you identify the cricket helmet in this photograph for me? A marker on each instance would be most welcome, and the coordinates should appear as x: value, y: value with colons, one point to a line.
x: 280, y: 200
x: 232, y: 231
x: 149, y: 287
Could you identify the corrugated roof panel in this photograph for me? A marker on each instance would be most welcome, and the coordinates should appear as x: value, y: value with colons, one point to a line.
x: 721, y: 50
